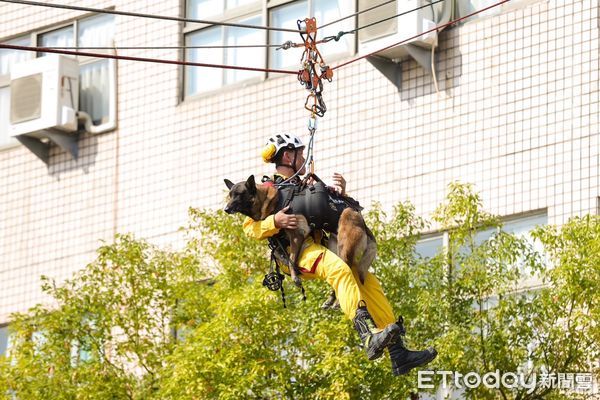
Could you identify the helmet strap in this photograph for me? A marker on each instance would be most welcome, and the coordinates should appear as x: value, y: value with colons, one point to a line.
x: 294, y: 162
x: 292, y: 166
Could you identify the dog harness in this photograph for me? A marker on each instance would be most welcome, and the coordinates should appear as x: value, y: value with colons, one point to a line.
x: 321, y: 207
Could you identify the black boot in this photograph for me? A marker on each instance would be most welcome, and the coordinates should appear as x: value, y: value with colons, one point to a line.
x: 403, y: 360
x: 374, y: 342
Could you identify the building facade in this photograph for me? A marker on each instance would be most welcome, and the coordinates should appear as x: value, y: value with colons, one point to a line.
x: 514, y: 110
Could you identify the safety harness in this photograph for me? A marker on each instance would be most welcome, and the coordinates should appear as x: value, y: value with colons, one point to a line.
x: 322, y: 209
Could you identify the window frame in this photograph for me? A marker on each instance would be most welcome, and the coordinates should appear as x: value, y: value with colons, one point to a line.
x: 34, y: 37
x: 259, y: 7
x: 111, y: 123
x: 8, y: 339
x: 525, y: 282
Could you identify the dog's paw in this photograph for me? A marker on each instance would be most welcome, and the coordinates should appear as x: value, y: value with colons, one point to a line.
x: 297, y: 281
x: 326, y: 304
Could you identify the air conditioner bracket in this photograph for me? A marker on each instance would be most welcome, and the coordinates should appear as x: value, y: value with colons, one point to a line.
x: 66, y: 141
x: 391, y: 70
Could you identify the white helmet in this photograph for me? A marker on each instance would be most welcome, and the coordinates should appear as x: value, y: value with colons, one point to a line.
x: 278, y: 142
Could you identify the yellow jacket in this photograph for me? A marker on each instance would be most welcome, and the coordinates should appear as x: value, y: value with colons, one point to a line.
x: 260, y: 229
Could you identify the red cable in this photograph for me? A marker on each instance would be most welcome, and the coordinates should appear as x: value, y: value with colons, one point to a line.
x: 154, y: 60
x: 437, y: 28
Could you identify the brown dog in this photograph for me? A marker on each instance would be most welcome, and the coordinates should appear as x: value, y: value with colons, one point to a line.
x: 354, y: 244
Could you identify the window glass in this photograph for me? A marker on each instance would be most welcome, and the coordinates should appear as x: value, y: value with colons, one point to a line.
x: 201, y: 79
x: 285, y: 17
x: 522, y: 228
x: 479, y: 238
x: 96, y: 31
x: 95, y: 75
x: 250, y: 56
x: 4, y: 342
x: 59, y: 38
x: 94, y: 90
x: 9, y: 57
x: 200, y: 9
x: 429, y: 247
x: 236, y: 3
x: 326, y: 11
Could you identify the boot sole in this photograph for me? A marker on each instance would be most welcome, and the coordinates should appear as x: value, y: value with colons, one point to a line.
x: 391, y: 336
x: 406, y: 369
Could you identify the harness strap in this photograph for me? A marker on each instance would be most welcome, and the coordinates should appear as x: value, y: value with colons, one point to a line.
x: 274, y: 279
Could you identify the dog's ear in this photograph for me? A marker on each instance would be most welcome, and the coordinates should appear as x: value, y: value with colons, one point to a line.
x: 228, y: 183
x: 251, y: 185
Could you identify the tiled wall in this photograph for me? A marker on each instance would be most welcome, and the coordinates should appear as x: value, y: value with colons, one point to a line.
x: 516, y: 114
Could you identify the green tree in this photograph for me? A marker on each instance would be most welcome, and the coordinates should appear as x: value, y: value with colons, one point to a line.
x: 143, y: 322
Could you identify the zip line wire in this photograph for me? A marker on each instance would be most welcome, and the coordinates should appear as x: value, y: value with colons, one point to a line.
x: 195, y: 64
x: 396, y: 16
x: 437, y: 28
x: 142, y: 59
x: 233, y: 46
x: 141, y: 15
x: 353, y: 31
x: 180, y: 19
x: 289, y: 44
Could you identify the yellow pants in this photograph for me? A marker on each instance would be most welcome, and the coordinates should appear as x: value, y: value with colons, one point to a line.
x: 317, y: 262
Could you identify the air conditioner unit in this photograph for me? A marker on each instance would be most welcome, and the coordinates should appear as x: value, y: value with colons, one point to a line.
x: 44, y: 94
x: 414, y: 22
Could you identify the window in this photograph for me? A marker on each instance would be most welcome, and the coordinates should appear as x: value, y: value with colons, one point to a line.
x: 199, y: 79
x: 199, y: 9
x: 284, y: 14
x: 4, y: 340
x: 521, y: 227
x: 58, y: 38
x: 97, y: 77
x: 8, y: 58
x: 429, y: 247
x: 324, y: 11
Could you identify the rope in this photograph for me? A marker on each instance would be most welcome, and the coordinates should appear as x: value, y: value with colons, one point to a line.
x: 161, y: 47
x: 153, y: 60
x: 142, y: 15
x: 421, y: 34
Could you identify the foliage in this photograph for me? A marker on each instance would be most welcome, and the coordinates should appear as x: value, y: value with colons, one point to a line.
x: 142, y: 322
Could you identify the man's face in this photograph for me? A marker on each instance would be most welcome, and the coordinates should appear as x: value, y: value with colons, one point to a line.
x: 300, y: 161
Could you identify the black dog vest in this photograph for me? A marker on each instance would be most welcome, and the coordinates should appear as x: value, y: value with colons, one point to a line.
x: 321, y: 207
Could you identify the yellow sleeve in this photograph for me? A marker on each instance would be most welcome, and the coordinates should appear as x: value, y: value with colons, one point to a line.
x: 260, y: 229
